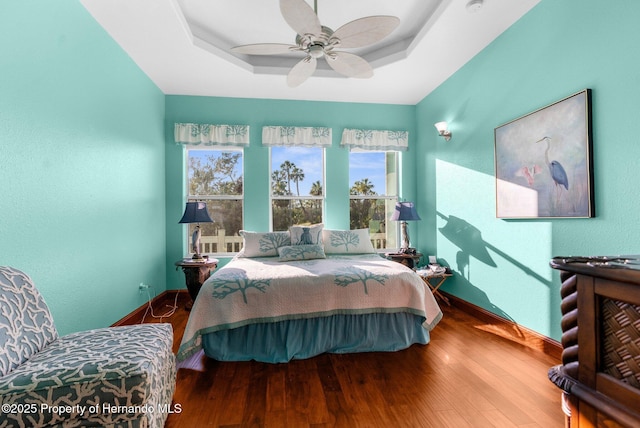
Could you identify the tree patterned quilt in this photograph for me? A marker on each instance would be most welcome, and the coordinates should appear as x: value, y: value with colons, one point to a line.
x: 257, y: 290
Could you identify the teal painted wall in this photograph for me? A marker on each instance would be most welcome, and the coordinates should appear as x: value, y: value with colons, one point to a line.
x: 92, y: 189
x: 258, y: 113
x: 81, y: 164
x: 557, y: 49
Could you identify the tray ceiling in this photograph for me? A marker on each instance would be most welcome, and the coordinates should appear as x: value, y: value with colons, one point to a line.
x: 184, y: 45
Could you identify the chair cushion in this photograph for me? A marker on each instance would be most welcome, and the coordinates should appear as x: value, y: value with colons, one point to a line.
x: 126, y: 367
x: 26, y: 325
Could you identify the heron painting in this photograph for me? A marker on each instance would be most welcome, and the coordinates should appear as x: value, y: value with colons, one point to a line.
x: 543, y: 162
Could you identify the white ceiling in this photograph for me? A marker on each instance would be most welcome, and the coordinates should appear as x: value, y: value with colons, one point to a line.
x: 183, y: 45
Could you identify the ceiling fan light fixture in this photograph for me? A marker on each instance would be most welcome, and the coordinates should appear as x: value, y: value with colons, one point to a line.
x: 316, y: 51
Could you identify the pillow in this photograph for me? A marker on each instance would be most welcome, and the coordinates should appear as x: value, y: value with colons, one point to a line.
x: 262, y: 244
x: 347, y: 241
x: 306, y: 235
x: 301, y: 252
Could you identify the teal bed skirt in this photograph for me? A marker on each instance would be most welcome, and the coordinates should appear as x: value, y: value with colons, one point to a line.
x: 283, y: 341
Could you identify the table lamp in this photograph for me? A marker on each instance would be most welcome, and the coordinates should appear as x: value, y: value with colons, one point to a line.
x: 404, y: 212
x: 196, y: 212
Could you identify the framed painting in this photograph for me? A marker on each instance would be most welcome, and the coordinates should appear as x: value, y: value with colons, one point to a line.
x: 543, y: 162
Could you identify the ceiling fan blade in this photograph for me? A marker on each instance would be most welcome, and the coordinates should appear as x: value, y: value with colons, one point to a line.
x: 365, y: 31
x: 349, y: 65
x: 265, y: 49
x: 301, y: 71
x: 300, y: 16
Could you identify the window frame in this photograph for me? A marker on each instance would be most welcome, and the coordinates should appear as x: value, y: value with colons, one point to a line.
x: 393, y: 199
x: 273, y: 197
x: 206, y: 198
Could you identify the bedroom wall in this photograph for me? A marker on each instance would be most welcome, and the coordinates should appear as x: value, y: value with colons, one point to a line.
x: 556, y: 50
x: 258, y: 113
x: 81, y: 164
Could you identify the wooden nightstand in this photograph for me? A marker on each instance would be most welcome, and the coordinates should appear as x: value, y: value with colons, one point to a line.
x: 409, y: 260
x: 196, y: 273
x: 439, y: 279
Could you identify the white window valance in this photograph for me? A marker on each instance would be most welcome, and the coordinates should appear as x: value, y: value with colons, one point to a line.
x: 195, y: 134
x: 365, y: 139
x: 296, y: 136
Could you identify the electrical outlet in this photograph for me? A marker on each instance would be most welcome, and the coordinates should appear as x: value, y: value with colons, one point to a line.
x: 143, y: 287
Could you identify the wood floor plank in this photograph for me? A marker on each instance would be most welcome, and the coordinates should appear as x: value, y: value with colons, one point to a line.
x: 496, y: 419
x: 467, y: 376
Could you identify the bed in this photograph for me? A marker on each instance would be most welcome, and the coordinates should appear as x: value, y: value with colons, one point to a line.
x: 270, y: 310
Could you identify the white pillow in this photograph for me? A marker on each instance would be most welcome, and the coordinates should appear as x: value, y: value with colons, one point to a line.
x: 347, y: 241
x: 306, y: 235
x: 262, y: 244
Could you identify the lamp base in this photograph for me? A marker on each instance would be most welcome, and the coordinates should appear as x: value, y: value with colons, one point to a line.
x: 199, y: 257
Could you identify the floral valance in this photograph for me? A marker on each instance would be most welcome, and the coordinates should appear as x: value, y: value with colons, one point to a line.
x: 194, y: 134
x: 296, y: 136
x: 365, y: 139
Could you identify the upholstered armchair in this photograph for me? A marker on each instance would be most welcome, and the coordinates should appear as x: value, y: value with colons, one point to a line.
x: 109, y: 377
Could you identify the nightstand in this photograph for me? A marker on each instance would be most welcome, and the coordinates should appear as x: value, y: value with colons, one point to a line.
x: 409, y: 260
x: 196, y: 273
x: 439, y: 278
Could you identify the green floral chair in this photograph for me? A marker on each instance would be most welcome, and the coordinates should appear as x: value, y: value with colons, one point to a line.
x: 109, y: 377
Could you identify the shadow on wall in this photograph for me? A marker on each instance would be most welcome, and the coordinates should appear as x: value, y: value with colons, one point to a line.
x: 469, y: 239
x: 479, y: 298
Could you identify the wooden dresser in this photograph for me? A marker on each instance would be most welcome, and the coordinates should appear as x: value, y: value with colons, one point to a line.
x: 600, y: 370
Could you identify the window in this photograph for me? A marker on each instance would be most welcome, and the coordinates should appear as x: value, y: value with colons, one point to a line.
x: 373, y: 180
x: 215, y: 176
x: 297, y: 183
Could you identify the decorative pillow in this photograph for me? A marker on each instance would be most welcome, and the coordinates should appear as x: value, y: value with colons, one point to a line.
x: 262, y: 244
x: 306, y: 235
x: 301, y: 252
x: 347, y: 241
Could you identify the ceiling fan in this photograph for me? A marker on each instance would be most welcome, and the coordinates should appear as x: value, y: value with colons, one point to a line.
x: 317, y: 41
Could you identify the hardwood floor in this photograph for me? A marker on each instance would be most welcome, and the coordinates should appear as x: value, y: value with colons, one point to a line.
x: 467, y: 376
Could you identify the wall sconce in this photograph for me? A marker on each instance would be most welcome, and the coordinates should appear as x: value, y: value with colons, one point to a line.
x: 443, y: 131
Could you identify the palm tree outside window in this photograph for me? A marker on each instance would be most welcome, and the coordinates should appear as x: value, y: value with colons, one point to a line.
x: 297, y: 182
x: 373, y: 178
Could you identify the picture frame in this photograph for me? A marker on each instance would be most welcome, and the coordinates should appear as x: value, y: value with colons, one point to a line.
x: 543, y: 162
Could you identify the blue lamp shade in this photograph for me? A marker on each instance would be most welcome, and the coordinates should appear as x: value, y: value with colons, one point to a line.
x: 405, y: 211
x: 196, y: 212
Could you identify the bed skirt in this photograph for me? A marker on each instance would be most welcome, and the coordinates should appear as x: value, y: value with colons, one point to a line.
x: 282, y: 341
